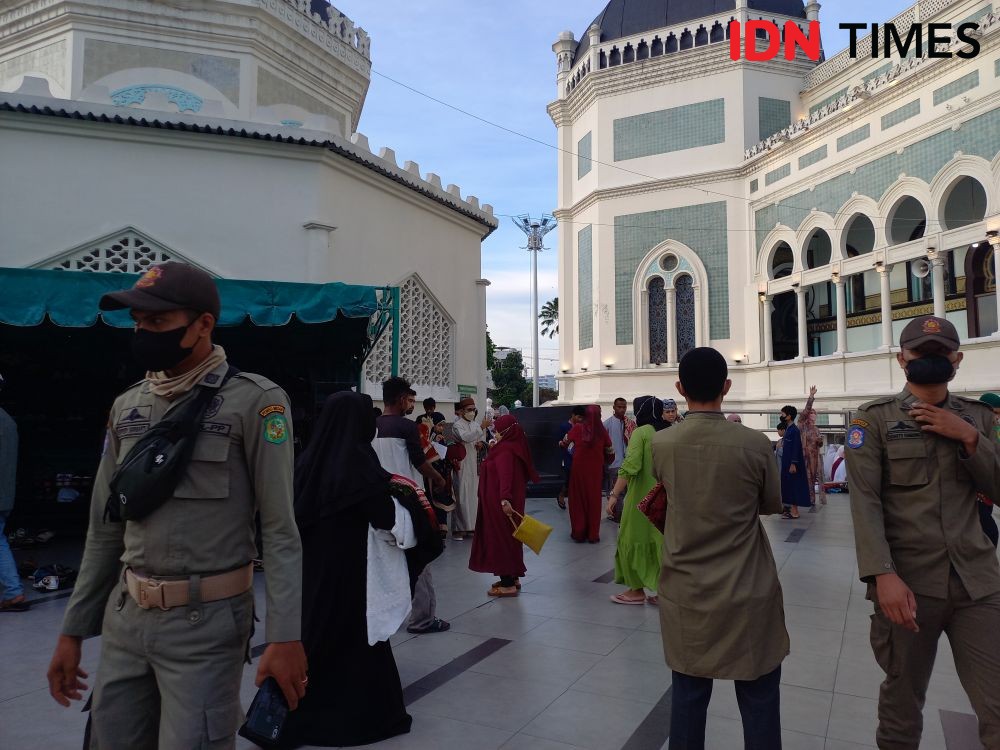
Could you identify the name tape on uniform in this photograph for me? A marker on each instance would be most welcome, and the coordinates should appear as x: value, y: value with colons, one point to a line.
x: 272, y: 409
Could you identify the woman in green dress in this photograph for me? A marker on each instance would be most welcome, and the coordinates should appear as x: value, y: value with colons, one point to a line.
x: 640, y: 544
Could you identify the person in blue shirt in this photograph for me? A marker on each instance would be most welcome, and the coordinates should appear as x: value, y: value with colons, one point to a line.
x: 567, y: 453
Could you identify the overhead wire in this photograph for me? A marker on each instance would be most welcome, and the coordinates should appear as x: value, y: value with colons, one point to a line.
x: 555, y: 147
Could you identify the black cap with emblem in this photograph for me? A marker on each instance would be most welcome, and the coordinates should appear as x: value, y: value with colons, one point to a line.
x: 929, y: 329
x: 168, y: 286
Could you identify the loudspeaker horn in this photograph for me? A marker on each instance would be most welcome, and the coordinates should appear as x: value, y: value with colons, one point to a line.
x: 920, y: 268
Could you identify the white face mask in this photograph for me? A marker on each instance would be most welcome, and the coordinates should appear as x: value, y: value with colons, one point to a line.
x: 468, y: 415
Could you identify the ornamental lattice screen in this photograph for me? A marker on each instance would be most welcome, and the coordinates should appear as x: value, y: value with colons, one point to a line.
x: 426, y: 343
x: 126, y: 251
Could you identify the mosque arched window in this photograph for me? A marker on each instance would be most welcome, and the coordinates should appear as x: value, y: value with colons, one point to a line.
x: 907, y: 221
x: 964, y: 204
x: 686, y: 331
x: 657, y: 320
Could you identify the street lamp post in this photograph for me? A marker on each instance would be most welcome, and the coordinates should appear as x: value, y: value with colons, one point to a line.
x: 535, y: 229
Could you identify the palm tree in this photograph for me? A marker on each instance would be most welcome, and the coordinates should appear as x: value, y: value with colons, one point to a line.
x: 550, y: 317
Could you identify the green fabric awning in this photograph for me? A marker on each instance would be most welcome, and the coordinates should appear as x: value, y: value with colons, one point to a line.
x: 69, y: 298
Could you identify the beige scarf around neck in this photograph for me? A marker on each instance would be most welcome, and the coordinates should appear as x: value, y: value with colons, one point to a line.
x: 170, y: 388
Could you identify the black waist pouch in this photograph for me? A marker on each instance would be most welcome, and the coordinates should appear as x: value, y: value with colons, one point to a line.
x: 150, y: 472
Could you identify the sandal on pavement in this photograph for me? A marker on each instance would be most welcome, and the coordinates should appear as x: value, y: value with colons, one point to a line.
x: 652, y: 600
x: 437, y: 626
x: 622, y: 599
x: 498, y: 585
x: 502, y: 592
x: 561, y: 503
x: 18, y: 603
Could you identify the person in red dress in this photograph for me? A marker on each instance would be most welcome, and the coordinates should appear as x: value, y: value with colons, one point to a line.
x: 591, y: 450
x: 503, y: 479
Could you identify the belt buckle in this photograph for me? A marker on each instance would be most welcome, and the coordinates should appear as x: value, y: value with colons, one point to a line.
x: 148, y: 599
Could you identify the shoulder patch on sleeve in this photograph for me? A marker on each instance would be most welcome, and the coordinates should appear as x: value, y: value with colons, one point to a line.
x: 876, y: 402
x: 860, y: 423
x: 275, y: 429
x: 259, y: 380
x: 855, y: 437
x: 272, y: 409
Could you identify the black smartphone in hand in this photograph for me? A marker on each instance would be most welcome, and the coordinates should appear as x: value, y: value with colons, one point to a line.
x: 266, y: 717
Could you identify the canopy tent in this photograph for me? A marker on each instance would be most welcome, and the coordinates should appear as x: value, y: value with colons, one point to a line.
x: 64, y: 361
x: 69, y: 298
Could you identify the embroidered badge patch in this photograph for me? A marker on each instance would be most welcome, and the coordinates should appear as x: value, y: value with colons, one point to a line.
x: 211, y: 379
x: 131, y: 430
x: 931, y: 326
x: 216, y: 428
x: 135, y: 415
x: 275, y: 429
x: 855, y: 437
x: 149, y: 278
x: 860, y: 423
x: 903, y: 431
x: 969, y: 419
x: 272, y: 409
x: 213, y: 406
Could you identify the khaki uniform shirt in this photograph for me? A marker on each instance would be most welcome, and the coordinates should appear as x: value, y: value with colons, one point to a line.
x: 721, y: 609
x: 242, y: 463
x: 913, y: 497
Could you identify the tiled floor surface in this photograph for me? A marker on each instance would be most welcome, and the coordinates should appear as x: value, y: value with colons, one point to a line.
x: 576, y: 671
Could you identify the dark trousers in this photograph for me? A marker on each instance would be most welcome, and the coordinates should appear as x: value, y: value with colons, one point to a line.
x: 760, y: 707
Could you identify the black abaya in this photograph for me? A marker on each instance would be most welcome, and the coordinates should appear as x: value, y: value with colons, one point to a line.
x: 354, y: 696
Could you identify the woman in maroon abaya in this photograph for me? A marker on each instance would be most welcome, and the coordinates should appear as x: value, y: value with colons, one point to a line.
x: 591, y: 444
x: 503, y: 479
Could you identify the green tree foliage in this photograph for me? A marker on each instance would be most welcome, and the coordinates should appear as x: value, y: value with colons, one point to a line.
x: 509, y: 381
x: 550, y: 317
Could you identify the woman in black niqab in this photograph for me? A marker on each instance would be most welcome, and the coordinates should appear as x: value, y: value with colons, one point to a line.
x: 354, y: 696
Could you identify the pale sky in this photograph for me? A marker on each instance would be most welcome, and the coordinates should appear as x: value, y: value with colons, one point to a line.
x: 494, y: 59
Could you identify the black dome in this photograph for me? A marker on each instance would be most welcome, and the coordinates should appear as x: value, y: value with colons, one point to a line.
x: 627, y: 17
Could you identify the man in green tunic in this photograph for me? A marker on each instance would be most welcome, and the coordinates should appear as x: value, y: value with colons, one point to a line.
x: 721, y: 610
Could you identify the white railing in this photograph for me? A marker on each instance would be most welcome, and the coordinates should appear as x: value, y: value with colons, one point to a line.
x: 904, y: 68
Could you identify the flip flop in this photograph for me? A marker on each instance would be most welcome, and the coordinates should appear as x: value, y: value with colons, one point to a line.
x: 622, y: 599
x: 653, y: 600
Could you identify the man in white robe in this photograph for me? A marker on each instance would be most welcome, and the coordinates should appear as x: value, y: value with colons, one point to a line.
x: 472, y: 435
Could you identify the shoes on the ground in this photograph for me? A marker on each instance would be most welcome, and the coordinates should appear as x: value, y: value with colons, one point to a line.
x: 502, y: 591
x: 437, y: 625
x: 786, y: 515
x: 458, y: 537
x: 812, y: 508
x: 653, y: 600
x: 17, y: 603
x: 497, y: 584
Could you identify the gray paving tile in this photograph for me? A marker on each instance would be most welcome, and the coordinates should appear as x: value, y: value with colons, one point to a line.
x: 496, y: 620
x: 578, y: 636
x: 815, y: 617
x: 433, y: 732
x: 632, y: 679
x: 533, y: 661
x: 596, y: 722
x: 527, y: 742
x: 641, y: 645
x: 814, y: 671
x: 853, y: 719
x: 499, y: 702
x: 437, y: 648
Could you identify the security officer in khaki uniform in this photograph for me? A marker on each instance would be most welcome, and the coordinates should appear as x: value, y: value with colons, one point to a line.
x: 915, y: 462
x: 172, y: 594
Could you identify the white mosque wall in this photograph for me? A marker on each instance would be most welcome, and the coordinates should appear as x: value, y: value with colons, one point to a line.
x: 241, y: 208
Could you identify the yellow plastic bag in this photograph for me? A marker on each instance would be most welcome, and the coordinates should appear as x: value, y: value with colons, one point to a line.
x: 530, y: 532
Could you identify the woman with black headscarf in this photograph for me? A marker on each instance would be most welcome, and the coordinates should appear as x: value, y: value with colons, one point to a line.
x: 354, y: 695
x: 640, y: 544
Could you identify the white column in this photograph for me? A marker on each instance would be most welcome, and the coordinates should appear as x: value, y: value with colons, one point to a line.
x: 937, y: 285
x: 481, y: 378
x: 800, y: 299
x: 841, y: 316
x: 768, y: 348
x: 886, y: 298
x: 671, y: 326
x: 996, y: 275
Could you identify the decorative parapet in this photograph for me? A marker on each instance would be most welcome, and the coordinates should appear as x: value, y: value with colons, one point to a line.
x: 185, y: 100
x: 989, y: 24
x: 324, y: 31
x: 430, y: 182
x: 921, y: 11
x: 666, y: 41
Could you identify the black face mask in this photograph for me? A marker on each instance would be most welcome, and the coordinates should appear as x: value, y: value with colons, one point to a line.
x: 156, y: 351
x: 931, y: 369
